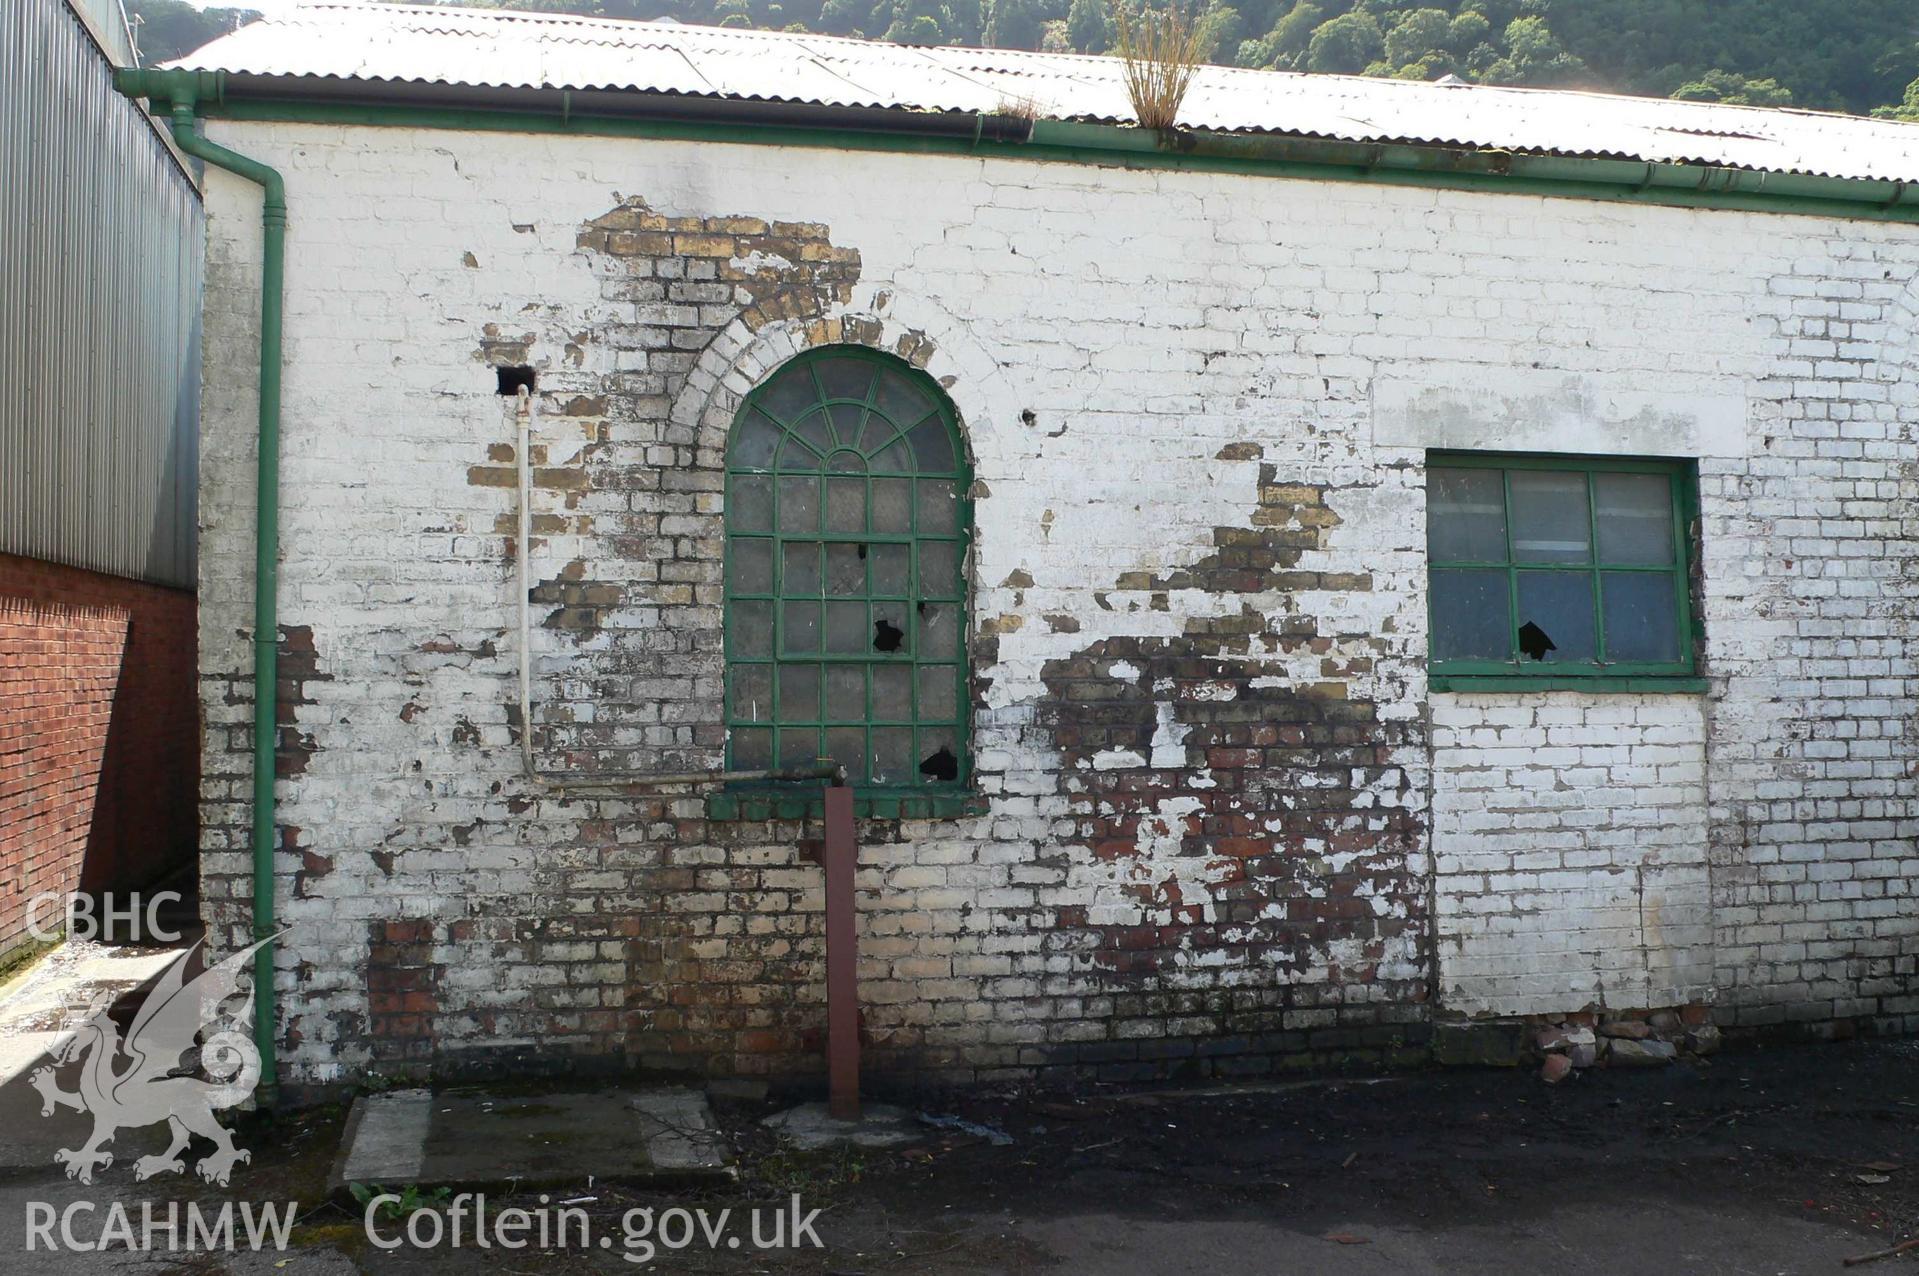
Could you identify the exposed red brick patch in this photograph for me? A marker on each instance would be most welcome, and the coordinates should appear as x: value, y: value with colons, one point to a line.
x: 1240, y: 804
x: 99, y: 734
x: 299, y: 665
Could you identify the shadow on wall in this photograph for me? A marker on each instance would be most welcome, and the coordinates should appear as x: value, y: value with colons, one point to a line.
x: 99, y: 736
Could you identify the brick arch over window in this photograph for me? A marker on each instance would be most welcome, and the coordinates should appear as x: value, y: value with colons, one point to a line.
x: 847, y: 525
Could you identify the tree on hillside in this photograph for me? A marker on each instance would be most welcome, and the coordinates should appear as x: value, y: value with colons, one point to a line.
x: 1014, y: 24
x: 1286, y: 43
x: 1418, y: 34
x: 1089, y: 25
x: 914, y: 22
x: 1534, y: 56
x: 1733, y: 89
x: 844, y: 17
x: 1907, y: 109
x: 1467, y: 31
x: 1220, y: 28
x: 1346, y: 44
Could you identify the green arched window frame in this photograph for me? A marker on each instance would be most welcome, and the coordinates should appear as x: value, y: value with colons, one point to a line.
x: 847, y: 524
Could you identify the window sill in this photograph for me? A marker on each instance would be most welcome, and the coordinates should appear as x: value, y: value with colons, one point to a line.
x: 748, y: 804
x: 1598, y: 684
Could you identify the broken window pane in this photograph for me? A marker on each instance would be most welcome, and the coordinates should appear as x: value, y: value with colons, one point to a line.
x: 893, y: 759
x: 799, y: 503
x: 1635, y: 518
x: 754, y: 440
x: 1559, y: 605
x: 1551, y: 523
x: 749, y: 630
x: 846, y: 693
x: 752, y: 748
x: 892, y: 569
x: 1466, y: 515
x: 892, y: 693
x: 1471, y: 615
x: 802, y: 628
x: 845, y: 504
x: 799, y: 693
x: 752, y: 566
x: 932, y: 445
x: 939, y: 693
x: 939, y: 507
x: 1641, y: 616
x: 892, y: 505
x: 845, y: 628
x: 753, y: 692
x: 939, y: 569
x: 939, y: 631
x: 800, y: 569
x: 938, y: 752
x: 749, y: 507
x: 889, y: 628
x: 846, y: 570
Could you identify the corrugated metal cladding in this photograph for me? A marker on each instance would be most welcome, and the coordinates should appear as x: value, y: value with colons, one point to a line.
x: 401, y: 43
x: 100, y: 256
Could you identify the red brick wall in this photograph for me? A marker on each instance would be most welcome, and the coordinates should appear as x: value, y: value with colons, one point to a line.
x: 99, y: 734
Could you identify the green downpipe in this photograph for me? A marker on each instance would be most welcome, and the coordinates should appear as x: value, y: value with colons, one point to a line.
x: 183, y: 91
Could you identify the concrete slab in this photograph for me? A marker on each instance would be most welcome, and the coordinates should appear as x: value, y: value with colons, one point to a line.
x: 811, y: 1127
x: 477, y: 1138
x: 385, y: 1139
x: 34, y: 1015
x: 27, y: 1139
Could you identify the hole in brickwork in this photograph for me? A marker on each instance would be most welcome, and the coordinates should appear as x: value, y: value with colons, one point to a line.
x: 513, y: 379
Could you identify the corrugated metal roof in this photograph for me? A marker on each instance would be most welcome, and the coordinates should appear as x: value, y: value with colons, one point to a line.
x: 426, y: 44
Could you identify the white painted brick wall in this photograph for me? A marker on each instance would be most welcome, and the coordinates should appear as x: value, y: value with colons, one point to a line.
x: 1569, y: 852
x: 1107, y: 335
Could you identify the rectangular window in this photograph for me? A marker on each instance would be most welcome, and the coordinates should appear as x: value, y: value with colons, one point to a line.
x: 1557, y: 568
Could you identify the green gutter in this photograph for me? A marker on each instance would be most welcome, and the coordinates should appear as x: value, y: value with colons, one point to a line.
x: 182, y: 91
x: 659, y: 117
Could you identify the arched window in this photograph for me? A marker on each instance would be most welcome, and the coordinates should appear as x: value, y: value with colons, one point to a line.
x: 846, y: 529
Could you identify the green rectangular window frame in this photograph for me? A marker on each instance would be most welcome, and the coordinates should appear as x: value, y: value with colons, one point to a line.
x: 1517, y: 671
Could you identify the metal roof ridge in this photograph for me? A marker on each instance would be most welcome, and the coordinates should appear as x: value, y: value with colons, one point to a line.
x: 941, y: 52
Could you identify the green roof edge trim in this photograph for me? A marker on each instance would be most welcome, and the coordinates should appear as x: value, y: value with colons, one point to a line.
x: 671, y: 118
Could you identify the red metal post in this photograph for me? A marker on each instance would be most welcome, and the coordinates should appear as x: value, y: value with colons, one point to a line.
x: 842, y: 958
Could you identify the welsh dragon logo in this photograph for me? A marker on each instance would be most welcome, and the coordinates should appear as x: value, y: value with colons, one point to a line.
x: 153, y: 1086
